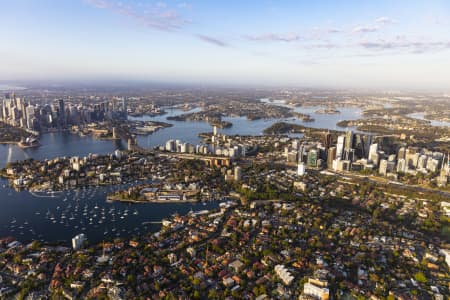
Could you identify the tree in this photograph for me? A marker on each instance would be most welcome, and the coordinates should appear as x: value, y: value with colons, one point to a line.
x: 212, y: 294
x: 420, y: 277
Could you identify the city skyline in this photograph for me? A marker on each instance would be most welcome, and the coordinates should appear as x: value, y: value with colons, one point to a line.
x: 351, y: 44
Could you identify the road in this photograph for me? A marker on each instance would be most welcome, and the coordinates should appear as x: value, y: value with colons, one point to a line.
x: 396, y: 184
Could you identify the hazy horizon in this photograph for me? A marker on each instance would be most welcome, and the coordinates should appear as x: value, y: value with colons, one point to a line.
x: 326, y: 44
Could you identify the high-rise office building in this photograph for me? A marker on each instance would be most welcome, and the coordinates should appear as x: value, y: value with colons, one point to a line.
x: 124, y: 104
x: 401, y: 165
x: 340, y: 146
x: 237, y: 173
x: 383, y: 167
x: 61, y: 112
x: 312, y: 158
x: 349, y: 140
x: 373, y: 150
x: 331, y: 157
x: 301, y: 169
x: 401, y: 153
x: 349, y: 154
x: 327, y: 140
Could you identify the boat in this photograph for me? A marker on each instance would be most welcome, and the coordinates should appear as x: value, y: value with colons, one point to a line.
x: 45, y: 194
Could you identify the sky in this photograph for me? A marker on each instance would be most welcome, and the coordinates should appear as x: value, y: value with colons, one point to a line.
x: 344, y: 44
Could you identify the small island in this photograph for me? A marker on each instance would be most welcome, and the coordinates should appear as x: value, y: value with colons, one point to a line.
x: 283, y: 128
x: 213, y: 120
x: 304, y: 117
x: 328, y: 111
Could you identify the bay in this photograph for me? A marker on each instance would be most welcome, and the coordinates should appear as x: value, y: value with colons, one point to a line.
x: 27, y: 216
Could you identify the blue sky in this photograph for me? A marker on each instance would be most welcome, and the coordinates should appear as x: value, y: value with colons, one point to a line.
x: 374, y: 44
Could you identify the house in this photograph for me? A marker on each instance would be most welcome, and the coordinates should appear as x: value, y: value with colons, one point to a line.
x: 236, y: 265
x: 228, y: 282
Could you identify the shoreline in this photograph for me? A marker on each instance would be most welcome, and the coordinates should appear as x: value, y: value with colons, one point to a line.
x: 113, y: 198
x: 8, y: 143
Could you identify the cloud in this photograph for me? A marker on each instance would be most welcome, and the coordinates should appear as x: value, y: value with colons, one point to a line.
x: 157, y: 16
x: 333, y: 30
x: 381, y: 21
x: 411, y: 46
x: 384, y: 20
x: 324, y: 46
x: 273, y: 37
x: 365, y: 29
x: 212, y: 40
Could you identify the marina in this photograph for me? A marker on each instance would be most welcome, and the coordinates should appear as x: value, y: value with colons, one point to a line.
x: 57, y: 217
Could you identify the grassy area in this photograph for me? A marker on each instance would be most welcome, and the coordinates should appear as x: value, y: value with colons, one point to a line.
x: 9, y: 134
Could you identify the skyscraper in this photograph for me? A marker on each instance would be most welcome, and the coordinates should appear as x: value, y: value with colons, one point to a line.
x: 327, y: 140
x: 383, y: 167
x: 124, y: 104
x: 412, y: 157
x: 401, y: 165
x: 312, y: 158
x: 331, y: 156
x: 373, y: 149
x: 348, y: 140
x: 301, y: 169
x: 237, y: 173
x: 401, y: 153
x: 61, y: 112
x: 340, y: 146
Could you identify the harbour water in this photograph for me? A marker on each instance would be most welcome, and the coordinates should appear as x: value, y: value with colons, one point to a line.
x: 60, y: 216
x: 188, y: 131
x: 421, y: 116
x: 57, y: 144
